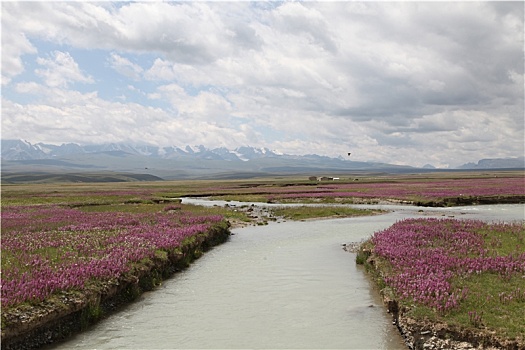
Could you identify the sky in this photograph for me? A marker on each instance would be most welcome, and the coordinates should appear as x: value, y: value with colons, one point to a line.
x: 409, y: 83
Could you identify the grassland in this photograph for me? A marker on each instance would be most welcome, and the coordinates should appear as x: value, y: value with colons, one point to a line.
x: 465, y: 275
x: 309, y: 212
x: 83, y: 177
x: 65, y: 243
x: 70, y: 248
x: 438, y: 189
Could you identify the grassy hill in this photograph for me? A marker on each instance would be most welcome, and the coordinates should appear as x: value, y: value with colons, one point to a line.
x: 49, y: 177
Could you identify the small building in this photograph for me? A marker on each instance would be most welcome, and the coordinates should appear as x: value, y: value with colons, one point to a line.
x: 323, y: 178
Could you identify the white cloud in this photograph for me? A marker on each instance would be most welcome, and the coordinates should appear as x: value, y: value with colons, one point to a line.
x: 60, y: 69
x: 13, y: 48
x: 125, y: 67
x: 306, y: 23
x: 408, y: 82
x: 206, y: 105
x: 69, y: 116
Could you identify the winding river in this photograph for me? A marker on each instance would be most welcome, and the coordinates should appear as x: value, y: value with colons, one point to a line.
x: 287, y: 285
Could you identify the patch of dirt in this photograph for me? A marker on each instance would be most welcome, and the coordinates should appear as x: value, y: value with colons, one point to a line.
x: 428, y: 335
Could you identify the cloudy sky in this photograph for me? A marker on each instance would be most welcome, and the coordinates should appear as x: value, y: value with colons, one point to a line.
x: 404, y: 83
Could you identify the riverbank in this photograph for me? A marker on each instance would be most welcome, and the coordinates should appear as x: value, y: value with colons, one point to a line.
x: 261, y: 215
x: 429, y: 335
x: 57, y: 239
x: 451, y: 283
x: 33, y: 326
x: 457, y: 201
x: 471, y: 200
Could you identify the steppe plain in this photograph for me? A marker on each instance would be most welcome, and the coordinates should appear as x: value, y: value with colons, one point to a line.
x: 74, y: 252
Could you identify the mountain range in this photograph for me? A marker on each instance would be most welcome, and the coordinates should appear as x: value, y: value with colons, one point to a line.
x: 172, y: 162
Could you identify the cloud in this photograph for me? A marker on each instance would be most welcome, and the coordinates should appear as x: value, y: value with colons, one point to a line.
x: 60, y: 69
x: 70, y: 116
x: 306, y: 23
x: 125, y: 67
x: 206, y: 105
x: 408, y: 82
x: 13, y: 47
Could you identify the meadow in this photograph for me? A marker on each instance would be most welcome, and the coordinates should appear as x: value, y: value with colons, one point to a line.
x: 424, y: 190
x: 66, y: 247
x: 47, y: 249
x: 464, y: 273
x: 66, y: 239
x: 62, y: 242
x: 418, y: 192
x: 73, y: 238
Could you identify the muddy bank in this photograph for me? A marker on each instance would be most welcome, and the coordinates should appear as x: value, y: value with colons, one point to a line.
x: 67, y: 313
x: 445, y: 202
x: 424, y: 334
x: 472, y: 200
x: 428, y: 335
x: 436, y: 203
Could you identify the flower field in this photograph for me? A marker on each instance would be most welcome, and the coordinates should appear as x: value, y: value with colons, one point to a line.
x: 414, y: 190
x: 62, y: 243
x: 49, y: 248
x: 435, y: 190
x: 466, y: 272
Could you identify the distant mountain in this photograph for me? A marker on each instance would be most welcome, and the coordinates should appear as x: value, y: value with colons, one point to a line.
x: 173, y: 162
x: 428, y: 166
x: 23, y: 150
x: 496, y: 163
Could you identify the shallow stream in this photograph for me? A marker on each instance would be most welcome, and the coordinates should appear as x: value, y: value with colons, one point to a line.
x: 281, y: 286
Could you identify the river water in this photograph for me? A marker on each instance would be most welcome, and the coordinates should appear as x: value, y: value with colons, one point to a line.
x: 287, y: 285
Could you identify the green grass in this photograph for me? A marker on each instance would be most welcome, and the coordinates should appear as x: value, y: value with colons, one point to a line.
x: 156, y: 207
x: 507, y: 318
x: 310, y: 212
x: 494, y: 303
x: 139, y: 197
x: 500, y: 304
x: 125, y: 208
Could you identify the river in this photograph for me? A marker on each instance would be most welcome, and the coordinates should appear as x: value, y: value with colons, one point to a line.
x: 287, y: 285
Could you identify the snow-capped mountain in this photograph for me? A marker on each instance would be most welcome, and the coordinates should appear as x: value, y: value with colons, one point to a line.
x: 190, y: 161
x: 172, y: 162
x: 23, y: 150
